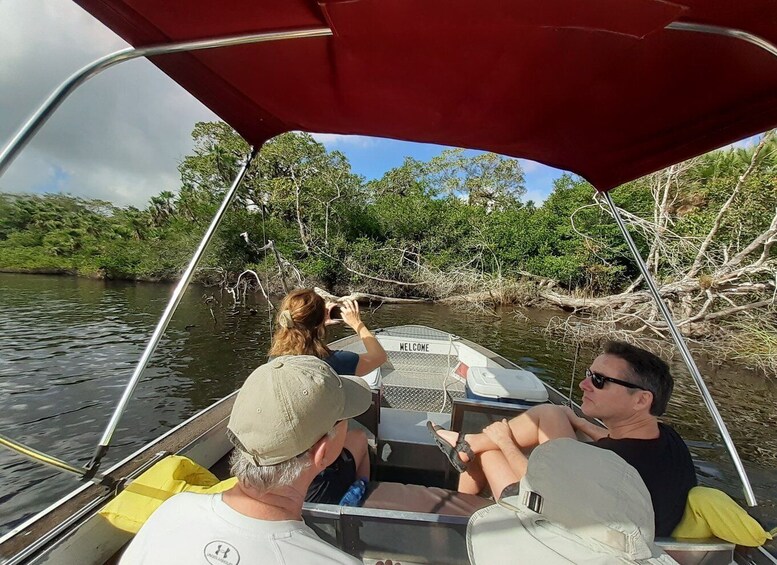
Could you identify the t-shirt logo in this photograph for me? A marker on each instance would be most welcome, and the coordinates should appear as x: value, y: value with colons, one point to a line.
x: 221, y: 553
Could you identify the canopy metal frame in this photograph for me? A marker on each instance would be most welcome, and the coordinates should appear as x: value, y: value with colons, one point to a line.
x: 167, y: 315
x: 41, y: 116
x: 725, y: 32
x: 36, y: 121
x: 89, y: 471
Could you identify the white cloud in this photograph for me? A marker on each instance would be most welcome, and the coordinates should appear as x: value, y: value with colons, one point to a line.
x: 529, y: 166
x: 119, y: 137
x: 332, y: 140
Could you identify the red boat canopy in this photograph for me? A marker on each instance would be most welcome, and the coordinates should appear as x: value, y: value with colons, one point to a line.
x: 597, y: 87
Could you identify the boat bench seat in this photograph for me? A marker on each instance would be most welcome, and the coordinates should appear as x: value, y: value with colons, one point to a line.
x: 435, y: 500
x: 415, y: 501
x: 417, y: 498
x: 404, y: 522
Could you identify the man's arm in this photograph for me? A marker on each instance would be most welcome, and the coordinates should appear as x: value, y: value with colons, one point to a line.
x: 582, y: 425
x: 499, y: 432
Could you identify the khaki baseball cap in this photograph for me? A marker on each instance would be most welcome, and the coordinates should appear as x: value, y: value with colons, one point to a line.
x: 287, y: 405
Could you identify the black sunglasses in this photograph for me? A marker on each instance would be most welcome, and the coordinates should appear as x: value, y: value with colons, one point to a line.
x: 598, y: 381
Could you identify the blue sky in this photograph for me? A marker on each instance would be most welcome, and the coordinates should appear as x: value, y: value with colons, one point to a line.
x: 371, y: 157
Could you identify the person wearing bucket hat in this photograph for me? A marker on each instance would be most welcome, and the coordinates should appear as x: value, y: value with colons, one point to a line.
x: 627, y: 388
x: 288, y: 423
x: 575, y: 504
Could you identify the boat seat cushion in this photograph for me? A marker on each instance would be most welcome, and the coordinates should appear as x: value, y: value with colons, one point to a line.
x: 417, y: 498
x: 710, y: 512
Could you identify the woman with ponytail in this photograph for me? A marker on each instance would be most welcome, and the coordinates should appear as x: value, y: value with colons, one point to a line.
x: 301, y: 330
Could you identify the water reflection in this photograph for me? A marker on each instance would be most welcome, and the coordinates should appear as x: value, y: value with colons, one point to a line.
x: 68, y: 347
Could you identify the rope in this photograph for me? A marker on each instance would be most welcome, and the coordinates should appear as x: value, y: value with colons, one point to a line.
x: 574, y: 372
x: 448, y: 372
x: 267, y: 276
x: 574, y: 365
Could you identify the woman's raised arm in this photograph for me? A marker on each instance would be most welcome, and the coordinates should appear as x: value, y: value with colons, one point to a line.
x: 375, y: 355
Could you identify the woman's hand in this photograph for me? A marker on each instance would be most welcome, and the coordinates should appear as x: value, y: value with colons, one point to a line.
x: 328, y: 320
x: 350, y: 311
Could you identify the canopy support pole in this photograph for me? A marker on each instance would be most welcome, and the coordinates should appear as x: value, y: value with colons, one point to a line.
x: 161, y: 326
x: 686, y: 354
x: 36, y: 121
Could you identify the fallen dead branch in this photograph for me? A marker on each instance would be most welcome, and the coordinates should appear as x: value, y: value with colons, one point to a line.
x: 369, y: 298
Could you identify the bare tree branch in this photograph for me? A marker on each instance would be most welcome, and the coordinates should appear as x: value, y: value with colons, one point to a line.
x: 716, y: 223
x: 365, y: 275
x: 729, y: 311
x: 300, y: 224
x: 366, y: 297
x: 770, y: 239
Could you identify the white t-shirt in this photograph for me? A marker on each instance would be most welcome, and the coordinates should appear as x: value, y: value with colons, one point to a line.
x: 196, y: 529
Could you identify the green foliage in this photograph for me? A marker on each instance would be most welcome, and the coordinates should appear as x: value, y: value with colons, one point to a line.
x: 409, y: 179
x: 487, y: 179
x: 709, y: 185
x: 461, y: 211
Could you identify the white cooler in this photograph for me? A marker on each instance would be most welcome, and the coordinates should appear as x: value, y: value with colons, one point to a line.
x: 498, y: 384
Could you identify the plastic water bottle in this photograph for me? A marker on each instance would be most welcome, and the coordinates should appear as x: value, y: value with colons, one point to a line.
x: 353, y: 496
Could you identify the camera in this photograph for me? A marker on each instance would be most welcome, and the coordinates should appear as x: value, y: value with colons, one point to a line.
x: 335, y: 313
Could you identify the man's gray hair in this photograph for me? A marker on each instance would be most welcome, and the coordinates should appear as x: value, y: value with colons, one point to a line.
x: 265, y: 478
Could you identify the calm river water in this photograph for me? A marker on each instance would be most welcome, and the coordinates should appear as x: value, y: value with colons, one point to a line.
x: 68, y: 347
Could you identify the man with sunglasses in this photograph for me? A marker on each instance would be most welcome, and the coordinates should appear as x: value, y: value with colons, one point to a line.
x: 627, y: 388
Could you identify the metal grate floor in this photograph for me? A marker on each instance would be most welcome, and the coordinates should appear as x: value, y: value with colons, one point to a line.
x: 419, y: 390
x: 419, y: 379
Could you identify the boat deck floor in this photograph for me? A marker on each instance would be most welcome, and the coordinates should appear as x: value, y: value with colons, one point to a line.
x: 417, y: 388
x: 420, y: 378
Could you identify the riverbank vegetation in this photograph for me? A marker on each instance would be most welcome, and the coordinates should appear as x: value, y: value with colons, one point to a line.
x: 455, y: 226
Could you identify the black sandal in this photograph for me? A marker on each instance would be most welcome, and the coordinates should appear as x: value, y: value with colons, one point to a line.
x: 452, y: 451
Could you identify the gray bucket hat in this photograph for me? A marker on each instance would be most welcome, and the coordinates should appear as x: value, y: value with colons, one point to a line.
x: 287, y: 405
x: 577, y: 504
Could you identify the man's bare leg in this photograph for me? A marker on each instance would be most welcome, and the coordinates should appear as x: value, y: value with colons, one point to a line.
x: 496, y: 467
x: 473, y: 480
x: 535, y: 426
x: 497, y: 471
x: 540, y: 424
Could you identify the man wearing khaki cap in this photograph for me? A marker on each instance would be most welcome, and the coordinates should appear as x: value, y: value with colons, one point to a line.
x: 288, y: 423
